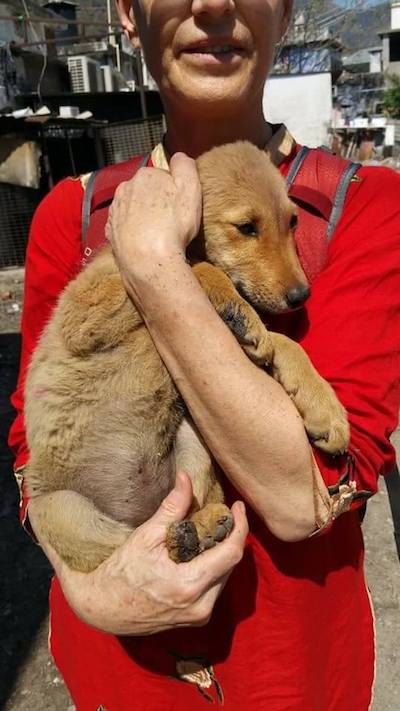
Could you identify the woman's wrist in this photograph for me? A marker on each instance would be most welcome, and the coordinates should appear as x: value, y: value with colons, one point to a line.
x: 153, y: 218
x: 156, y: 273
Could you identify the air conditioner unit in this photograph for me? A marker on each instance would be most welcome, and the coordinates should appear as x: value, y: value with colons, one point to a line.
x: 111, y: 78
x: 85, y: 74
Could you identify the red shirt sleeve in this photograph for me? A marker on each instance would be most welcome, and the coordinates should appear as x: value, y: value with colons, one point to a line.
x: 52, y: 258
x: 353, y: 336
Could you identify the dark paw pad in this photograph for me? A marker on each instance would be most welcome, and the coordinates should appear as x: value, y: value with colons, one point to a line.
x: 224, y: 527
x: 183, y: 541
x: 318, y: 436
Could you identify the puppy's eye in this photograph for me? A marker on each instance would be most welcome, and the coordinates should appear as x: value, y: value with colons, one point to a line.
x: 249, y: 229
x: 294, y: 221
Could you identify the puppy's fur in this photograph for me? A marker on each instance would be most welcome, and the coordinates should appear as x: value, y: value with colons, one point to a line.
x: 106, y: 426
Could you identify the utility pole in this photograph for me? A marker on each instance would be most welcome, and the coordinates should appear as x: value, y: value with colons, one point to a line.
x: 111, y: 36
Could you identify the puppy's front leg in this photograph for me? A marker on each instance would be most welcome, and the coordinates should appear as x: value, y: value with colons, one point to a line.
x: 237, y: 313
x: 324, y: 416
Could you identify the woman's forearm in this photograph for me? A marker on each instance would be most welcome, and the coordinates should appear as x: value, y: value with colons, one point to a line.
x: 246, y: 418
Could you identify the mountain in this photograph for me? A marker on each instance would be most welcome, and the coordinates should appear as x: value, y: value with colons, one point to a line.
x: 357, y: 24
x: 365, y: 25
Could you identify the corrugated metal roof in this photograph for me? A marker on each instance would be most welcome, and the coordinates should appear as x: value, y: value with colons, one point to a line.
x: 362, y: 56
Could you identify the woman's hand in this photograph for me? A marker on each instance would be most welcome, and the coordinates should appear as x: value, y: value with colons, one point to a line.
x: 156, y: 213
x: 139, y: 590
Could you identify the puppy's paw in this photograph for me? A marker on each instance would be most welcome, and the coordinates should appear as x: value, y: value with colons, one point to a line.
x: 182, y: 541
x: 249, y: 330
x: 259, y: 350
x: 325, y: 419
x: 213, y: 523
x: 203, y: 530
x: 330, y: 432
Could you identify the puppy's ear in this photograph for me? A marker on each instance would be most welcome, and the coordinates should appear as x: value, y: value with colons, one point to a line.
x: 127, y: 19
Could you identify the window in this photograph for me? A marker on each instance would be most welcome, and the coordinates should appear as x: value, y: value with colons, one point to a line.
x: 394, y: 48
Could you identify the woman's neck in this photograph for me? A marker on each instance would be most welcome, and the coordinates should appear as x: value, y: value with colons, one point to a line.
x: 194, y: 135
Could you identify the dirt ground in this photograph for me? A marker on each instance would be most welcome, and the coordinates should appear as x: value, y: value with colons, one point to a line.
x: 11, y: 293
x: 28, y: 679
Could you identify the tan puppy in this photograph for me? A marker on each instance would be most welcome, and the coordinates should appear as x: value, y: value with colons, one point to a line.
x: 107, y: 429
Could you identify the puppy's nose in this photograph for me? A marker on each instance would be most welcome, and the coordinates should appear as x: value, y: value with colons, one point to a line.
x: 297, y: 296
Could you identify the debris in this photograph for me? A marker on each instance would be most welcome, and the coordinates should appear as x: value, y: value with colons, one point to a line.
x: 43, y: 111
x: 85, y: 115
x: 13, y: 308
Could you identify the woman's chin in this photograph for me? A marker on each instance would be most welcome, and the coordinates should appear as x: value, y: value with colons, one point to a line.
x: 210, y: 93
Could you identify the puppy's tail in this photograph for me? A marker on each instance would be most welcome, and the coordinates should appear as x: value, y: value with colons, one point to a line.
x: 79, y: 532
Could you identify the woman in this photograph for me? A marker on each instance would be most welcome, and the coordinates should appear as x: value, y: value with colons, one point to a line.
x: 282, y: 621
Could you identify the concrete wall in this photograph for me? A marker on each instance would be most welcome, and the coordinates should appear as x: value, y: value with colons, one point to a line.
x: 375, y: 62
x: 303, y: 103
x: 395, y: 16
x: 393, y: 68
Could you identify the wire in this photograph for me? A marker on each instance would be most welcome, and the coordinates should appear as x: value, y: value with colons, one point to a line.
x: 41, y: 77
x: 42, y: 48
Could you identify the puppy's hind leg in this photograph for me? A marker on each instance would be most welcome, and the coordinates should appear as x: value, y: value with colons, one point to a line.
x: 79, y: 532
x: 209, y: 520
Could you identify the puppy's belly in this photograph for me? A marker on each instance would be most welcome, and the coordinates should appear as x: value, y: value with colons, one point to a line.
x: 125, y: 482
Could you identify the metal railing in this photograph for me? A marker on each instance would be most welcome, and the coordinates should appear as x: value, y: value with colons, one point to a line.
x: 113, y: 143
x: 123, y: 140
x: 17, y: 205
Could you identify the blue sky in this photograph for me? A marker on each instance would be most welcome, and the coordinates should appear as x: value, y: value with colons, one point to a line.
x: 368, y: 2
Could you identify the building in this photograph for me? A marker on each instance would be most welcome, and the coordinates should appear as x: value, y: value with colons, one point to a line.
x: 361, y: 86
x: 304, y: 73
x: 391, y: 41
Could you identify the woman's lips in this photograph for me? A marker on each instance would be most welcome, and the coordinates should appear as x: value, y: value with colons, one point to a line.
x: 214, y: 54
x: 213, y: 49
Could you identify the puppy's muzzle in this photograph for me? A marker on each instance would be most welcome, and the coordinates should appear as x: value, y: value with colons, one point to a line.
x: 296, y: 297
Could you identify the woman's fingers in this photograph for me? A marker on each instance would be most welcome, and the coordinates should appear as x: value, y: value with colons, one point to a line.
x: 186, y: 178
x: 212, y: 565
x: 173, y: 509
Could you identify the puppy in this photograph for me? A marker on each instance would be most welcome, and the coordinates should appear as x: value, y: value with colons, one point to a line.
x: 107, y: 429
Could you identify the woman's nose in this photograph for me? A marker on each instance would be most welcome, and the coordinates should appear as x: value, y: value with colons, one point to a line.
x: 212, y: 7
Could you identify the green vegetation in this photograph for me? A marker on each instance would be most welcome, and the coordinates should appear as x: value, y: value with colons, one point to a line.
x: 391, y: 97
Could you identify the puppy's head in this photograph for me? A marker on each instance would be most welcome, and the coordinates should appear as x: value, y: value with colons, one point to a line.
x: 249, y: 224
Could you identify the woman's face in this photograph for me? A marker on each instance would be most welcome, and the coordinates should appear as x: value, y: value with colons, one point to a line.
x: 208, y: 52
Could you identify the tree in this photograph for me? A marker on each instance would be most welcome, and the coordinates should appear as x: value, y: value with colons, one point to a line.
x: 391, y: 97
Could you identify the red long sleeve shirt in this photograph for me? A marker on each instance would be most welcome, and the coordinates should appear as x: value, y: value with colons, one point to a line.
x: 293, y: 628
